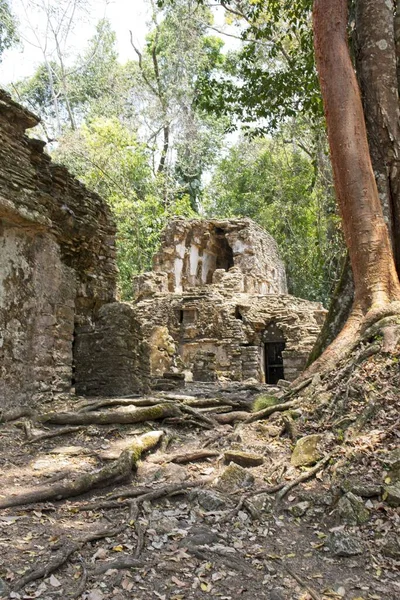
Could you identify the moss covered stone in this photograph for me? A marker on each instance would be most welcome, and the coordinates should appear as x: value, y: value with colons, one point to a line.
x: 234, y: 477
x: 265, y: 401
x: 307, y: 451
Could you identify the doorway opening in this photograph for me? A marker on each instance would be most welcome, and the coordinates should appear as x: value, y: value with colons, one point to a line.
x: 274, y: 345
x: 223, y: 250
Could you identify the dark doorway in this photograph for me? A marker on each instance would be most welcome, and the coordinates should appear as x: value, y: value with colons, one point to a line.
x: 223, y: 251
x: 274, y: 345
x: 274, y: 362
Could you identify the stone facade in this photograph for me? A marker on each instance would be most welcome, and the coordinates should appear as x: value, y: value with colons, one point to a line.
x: 226, y: 312
x: 57, y: 263
x: 218, y: 334
x: 215, y: 308
x: 232, y: 253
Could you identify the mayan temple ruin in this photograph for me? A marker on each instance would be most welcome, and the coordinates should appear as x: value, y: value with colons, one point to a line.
x: 214, y: 308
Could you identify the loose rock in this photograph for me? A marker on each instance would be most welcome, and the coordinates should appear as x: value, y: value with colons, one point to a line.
x: 306, y: 451
x: 209, y: 500
x: 298, y: 510
x: 344, y: 544
x: 351, y: 510
x: 234, y: 477
x: 244, y: 459
x: 392, y: 494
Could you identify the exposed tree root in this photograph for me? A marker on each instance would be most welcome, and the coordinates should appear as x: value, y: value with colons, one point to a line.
x: 303, y: 477
x: 211, y: 422
x: 109, y: 402
x: 126, y: 562
x: 82, y: 584
x: 182, y: 459
x: 301, y: 582
x: 238, y: 564
x: 142, y: 495
x: 231, y: 417
x: 14, y: 414
x: 267, y: 412
x: 281, y: 488
x: 60, y: 557
x: 136, y: 415
x: 115, y: 471
x: 48, y: 434
x: 359, y: 327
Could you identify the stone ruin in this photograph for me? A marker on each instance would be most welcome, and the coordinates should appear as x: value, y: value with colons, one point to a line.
x: 57, y: 263
x: 214, y: 308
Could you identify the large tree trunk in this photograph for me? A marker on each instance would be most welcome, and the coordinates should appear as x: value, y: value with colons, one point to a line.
x: 376, y: 66
x: 366, y: 233
x: 377, y: 61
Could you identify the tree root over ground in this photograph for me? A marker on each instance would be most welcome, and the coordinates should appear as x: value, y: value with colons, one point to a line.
x: 135, y: 415
x: 114, y: 472
x: 356, y: 422
x: 67, y: 548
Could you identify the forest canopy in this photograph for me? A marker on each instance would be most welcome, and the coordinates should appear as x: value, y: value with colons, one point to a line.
x: 217, y: 113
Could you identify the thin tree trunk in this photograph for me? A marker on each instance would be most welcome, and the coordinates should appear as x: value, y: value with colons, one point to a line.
x: 339, y: 311
x: 165, y: 148
x: 53, y: 95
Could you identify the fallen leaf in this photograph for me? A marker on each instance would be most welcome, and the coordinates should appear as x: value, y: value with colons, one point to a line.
x: 178, y: 582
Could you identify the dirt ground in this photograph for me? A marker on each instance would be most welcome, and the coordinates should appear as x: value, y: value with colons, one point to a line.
x: 217, y: 539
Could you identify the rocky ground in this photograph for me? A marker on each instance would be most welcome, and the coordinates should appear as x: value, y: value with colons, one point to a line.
x: 209, y: 513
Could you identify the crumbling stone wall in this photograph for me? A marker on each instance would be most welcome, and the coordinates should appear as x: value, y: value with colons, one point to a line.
x: 218, y: 288
x: 194, y: 251
x: 57, y: 263
x: 114, y: 355
x: 221, y: 334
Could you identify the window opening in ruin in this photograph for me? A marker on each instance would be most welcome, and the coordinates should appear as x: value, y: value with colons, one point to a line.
x: 189, y: 315
x: 273, y: 347
x: 238, y: 314
x: 223, y: 251
x: 180, y: 316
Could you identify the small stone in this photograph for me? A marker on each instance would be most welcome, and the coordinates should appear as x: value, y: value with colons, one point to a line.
x: 391, y: 547
x: 276, y: 594
x: 169, y: 472
x: 306, y: 451
x: 344, y: 544
x: 392, y: 494
x: 365, y: 489
x: 234, y: 477
x: 210, y: 501
x: 200, y: 536
x: 165, y: 524
x: 298, y: 510
x: 244, y: 459
x: 351, y: 510
x: 260, y: 502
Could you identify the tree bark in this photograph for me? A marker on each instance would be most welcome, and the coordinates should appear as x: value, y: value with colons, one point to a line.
x: 376, y: 66
x: 366, y: 233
